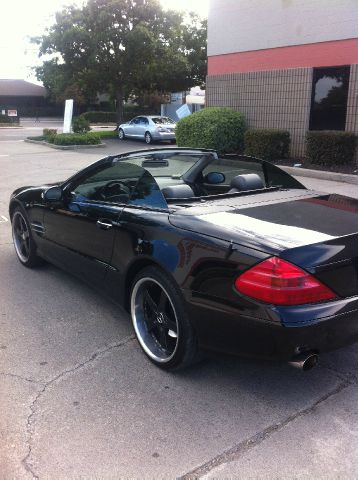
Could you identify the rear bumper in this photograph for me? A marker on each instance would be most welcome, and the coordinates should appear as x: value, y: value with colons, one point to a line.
x: 281, y: 332
x: 164, y: 136
x: 324, y: 335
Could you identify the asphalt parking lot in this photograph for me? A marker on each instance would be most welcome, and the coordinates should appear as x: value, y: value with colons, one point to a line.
x: 78, y: 399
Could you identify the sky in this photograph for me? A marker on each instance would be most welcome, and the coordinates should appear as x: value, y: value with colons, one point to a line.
x: 23, y: 19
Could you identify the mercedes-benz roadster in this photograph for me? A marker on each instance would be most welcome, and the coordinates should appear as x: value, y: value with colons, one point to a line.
x: 206, y: 251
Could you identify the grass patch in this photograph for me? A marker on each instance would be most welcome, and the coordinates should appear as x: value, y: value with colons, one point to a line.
x: 40, y: 138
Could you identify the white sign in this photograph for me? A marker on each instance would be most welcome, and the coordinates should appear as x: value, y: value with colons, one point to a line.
x: 183, y: 111
x: 3, y: 112
x: 67, y: 119
x: 12, y: 113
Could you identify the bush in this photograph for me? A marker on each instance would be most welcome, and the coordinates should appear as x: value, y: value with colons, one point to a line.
x: 129, y: 111
x: 100, y: 117
x: 268, y: 144
x: 107, y: 134
x: 219, y: 128
x: 80, y: 125
x: 75, y: 139
x: 5, y: 119
x: 330, y: 147
x: 49, y: 132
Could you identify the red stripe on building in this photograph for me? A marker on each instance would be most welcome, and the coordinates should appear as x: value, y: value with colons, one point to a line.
x: 325, y: 54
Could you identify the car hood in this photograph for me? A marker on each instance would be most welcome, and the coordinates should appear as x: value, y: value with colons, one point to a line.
x: 273, y: 221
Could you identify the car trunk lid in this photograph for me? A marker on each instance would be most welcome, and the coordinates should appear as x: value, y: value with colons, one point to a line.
x: 318, y: 232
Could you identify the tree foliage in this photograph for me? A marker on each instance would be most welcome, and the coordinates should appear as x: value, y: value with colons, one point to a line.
x: 124, y: 48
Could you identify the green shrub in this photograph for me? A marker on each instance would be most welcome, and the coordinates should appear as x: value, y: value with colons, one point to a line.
x: 5, y: 119
x: 330, y: 147
x: 49, y: 132
x: 100, y: 117
x: 268, y: 144
x: 106, y: 134
x: 76, y: 139
x: 80, y: 125
x: 219, y: 128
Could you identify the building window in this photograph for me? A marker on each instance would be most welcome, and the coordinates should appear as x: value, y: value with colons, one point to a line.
x: 329, y: 98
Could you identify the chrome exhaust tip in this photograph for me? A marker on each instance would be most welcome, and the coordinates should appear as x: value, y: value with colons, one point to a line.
x: 305, y: 361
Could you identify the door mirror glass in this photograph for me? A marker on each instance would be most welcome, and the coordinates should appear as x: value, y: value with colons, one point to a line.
x: 214, y: 178
x: 53, y: 194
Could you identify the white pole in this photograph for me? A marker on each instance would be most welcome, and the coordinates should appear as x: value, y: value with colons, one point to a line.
x: 67, y: 119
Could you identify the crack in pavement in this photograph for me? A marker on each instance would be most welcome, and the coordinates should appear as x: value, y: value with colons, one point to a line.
x: 235, y: 452
x: 13, y: 375
x: 30, y: 422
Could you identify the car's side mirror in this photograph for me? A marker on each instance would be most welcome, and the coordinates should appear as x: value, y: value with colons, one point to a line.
x: 214, y: 178
x: 53, y: 194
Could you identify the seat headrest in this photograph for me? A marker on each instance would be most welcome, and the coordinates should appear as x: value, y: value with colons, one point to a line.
x: 248, y: 181
x: 178, y: 191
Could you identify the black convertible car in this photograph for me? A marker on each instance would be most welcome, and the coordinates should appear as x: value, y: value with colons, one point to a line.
x: 205, y: 251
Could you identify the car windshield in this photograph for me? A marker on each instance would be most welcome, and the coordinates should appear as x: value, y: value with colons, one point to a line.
x: 162, y: 120
x: 172, y: 165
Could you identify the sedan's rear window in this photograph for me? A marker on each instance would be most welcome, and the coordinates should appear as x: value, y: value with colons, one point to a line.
x: 162, y: 120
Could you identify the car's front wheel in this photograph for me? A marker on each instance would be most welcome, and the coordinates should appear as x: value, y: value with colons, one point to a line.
x: 148, y: 138
x: 121, y: 134
x: 160, y: 321
x: 24, y: 244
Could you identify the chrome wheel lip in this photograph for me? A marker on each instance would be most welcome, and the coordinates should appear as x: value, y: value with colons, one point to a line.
x: 20, y: 239
x: 138, y: 324
x: 121, y: 134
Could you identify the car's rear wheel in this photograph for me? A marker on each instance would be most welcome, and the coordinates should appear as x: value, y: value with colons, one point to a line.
x: 121, y: 134
x: 160, y: 321
x: 148, y: 138
x: 24, y: 244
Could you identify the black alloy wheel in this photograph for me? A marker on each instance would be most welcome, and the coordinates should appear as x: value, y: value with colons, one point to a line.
x: 148, y: 138
x: 23, y: 242
x: 160, y: 322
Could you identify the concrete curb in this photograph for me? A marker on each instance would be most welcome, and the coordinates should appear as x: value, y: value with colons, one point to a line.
x: 10, y: 128
x: 320, y: 174
x: 63, y: 147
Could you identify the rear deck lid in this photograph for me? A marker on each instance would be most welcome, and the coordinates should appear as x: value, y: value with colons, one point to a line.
x: 316, y: 232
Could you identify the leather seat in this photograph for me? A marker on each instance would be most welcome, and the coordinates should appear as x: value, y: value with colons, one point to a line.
x: 178, y: 191
x: 248, y: 181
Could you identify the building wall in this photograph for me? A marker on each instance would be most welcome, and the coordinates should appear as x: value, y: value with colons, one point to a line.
x: 326, y: 54
x: 249, y: 25
x: 268, y: 99
x: 352, y: 102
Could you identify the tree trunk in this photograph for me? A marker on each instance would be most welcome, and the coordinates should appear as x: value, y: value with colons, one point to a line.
x: 119, y: 106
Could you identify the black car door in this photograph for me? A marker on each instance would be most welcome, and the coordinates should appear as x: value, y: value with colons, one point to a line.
x: 79, y: 232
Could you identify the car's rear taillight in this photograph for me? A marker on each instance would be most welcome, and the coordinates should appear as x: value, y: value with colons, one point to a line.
x: 279, y: 282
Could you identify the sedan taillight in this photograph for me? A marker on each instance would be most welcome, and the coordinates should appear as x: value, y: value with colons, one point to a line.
x: 279, y: 282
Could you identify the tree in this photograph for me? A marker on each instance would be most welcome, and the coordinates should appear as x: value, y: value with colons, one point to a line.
x: 124, y: 48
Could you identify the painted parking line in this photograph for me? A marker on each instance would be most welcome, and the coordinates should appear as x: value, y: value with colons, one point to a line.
x: 4, y: 155
x: 3, y: 219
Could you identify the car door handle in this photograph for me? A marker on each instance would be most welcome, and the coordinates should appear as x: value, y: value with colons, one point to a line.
x: 104, y: 224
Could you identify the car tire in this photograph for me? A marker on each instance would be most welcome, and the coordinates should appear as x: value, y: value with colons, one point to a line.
x: 160, y: 322
x: 24, y: 243
x: 121, y: 134
x: 148, y: 138
x: 173, y: 142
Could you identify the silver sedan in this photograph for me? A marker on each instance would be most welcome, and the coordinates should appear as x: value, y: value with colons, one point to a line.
x: 149, y: 128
